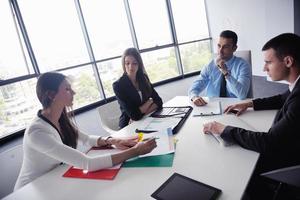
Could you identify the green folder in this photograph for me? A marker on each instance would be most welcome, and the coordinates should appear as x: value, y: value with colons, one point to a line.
x: 151, y: 161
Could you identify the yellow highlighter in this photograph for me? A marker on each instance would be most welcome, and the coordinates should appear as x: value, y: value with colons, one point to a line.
x: 140, y: 137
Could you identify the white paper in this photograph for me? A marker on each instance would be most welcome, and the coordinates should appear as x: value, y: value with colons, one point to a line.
x: 159, y: 124
x: 164, y: 142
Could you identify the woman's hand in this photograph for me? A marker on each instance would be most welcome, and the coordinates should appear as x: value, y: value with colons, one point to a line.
x: 143, y: 108
x: 238, y: 108
x: 124, y: 143
x: 213, y: 127
x: 145, y: 147
x: 139, y: 148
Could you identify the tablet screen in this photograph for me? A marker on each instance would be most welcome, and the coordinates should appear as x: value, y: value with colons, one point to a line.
x: 179, y: 187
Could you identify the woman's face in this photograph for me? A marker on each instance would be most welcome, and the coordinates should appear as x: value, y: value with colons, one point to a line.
x: 131, y: 65
x: 65, y: 94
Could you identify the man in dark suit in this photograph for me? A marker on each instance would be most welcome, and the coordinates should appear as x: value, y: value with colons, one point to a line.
x: 280, y: 146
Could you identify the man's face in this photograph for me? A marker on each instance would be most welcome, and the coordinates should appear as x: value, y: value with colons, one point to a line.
x: 275, y: 67
x: 225, y: 48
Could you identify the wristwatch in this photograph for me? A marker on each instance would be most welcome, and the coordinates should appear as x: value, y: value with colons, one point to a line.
x: 106, y: 140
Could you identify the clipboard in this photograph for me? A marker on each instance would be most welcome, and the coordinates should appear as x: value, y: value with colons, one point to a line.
x: 182, y: 112
x: 212, y: 108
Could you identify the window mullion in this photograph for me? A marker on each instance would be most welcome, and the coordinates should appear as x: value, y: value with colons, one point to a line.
x: 90, y: 49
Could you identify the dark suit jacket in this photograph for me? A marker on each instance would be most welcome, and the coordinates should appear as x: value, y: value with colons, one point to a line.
x: 280, y: 146
x: 130, y: 101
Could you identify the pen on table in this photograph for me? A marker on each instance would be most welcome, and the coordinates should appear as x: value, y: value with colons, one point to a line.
x: 144, y: 131
x: 210, y: 133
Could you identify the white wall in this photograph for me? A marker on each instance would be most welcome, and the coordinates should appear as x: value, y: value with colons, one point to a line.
x: 255, y: 22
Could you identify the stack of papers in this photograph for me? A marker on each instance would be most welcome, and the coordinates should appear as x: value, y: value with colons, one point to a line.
x: 161, y: 156
x: 159, y: 124
x: 164, y: 142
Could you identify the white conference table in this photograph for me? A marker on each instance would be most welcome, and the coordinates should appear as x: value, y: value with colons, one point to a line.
x: 197, y: 156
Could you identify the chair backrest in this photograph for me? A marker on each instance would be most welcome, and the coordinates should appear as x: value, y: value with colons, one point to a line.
x: 109, y: 116
x: 11, y: 162
x: 246, y: 55
x: 290, y: 178
x: 288, y: 175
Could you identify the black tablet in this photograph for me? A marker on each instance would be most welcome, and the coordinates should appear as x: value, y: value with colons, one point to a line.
x: 179, y: 187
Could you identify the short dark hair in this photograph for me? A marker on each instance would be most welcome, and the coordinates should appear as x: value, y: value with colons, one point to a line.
x: 286, y: 44
x: 230, y: 35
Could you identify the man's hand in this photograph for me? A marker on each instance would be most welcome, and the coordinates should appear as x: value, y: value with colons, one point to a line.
x: 213, y: 127
x: 222, y: 66
x: 240, y: 107
x: 199, y: 101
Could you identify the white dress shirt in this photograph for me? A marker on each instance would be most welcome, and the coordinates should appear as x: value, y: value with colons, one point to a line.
x: 44, y: 150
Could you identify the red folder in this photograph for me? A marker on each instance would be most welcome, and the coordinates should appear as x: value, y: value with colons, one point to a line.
x: 106, y: 174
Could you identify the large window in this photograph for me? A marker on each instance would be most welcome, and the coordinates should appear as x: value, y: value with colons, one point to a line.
x: 54, y: 31
x: 151, y: 23
x: 12, y: 57
x: 107, y: 26
x: 195, y: 55
x: 85, y: 41
x: 160, y: 64
x: 191, y: 25
x: 190, y: 20
x: 84, y: 84
x: 18, y: 106
x: 110, y: 71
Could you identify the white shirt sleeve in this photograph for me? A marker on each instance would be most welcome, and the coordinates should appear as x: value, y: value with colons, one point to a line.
x: 44, y: 141
x: 88, y: 140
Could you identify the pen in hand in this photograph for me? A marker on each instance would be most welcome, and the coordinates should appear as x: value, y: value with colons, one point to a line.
x: 150, y: 138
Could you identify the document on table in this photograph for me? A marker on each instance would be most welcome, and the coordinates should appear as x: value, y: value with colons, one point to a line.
x: 159, y: 124
x: 164, y: 141
x: 211, y: 108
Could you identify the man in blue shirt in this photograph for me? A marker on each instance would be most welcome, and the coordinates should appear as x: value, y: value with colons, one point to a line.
x: 233, y: 71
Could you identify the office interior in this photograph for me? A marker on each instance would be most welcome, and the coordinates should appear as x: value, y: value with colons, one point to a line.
x: 254, y: 21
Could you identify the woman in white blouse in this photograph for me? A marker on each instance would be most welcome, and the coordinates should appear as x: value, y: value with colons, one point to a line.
x: 52, y: 137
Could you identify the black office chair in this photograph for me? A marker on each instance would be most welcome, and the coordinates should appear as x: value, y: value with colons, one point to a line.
x: 289, y: 182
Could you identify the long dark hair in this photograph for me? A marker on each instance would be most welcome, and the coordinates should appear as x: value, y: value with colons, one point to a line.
x: 46, y: 88
x: 141, y: 75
